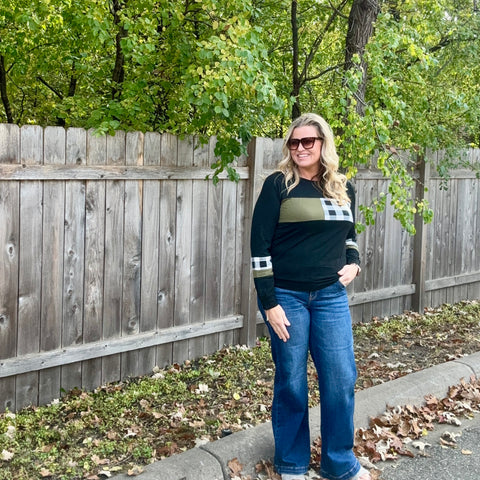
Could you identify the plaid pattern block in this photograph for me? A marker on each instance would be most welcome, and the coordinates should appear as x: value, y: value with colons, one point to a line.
x: 262, y: 267
x: 335, y: 212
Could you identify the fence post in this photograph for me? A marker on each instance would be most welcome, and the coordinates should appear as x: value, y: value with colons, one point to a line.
x: 420, y: 239
x: 248, y: 333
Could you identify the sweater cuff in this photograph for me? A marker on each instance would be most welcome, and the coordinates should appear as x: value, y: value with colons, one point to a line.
x: 266, y: 292
x: 353, y: 256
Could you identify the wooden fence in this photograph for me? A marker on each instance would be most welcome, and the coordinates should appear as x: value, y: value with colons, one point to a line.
x: 117, y: 255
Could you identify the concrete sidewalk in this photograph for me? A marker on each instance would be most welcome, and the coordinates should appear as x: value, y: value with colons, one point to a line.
x: 210, y: 461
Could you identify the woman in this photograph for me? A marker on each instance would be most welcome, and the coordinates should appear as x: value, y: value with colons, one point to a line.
x: 304, y: 254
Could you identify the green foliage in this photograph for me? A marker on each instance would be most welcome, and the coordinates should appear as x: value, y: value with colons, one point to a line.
x: 225, y: 68
x: 461, y: 318
x: 189, y: 67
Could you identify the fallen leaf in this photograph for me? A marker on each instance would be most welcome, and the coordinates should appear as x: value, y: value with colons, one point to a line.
x: 136, y: 470
x: 421, y: 446
x: 447, y: 443
x: 235, y: 467
x: 450, y: 436
x: 202, y: 388
x: 6, y: 455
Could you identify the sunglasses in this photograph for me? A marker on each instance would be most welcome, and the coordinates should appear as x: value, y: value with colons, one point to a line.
x: 307, y: 142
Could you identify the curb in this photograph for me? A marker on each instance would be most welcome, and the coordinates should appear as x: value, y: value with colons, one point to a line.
x: 210, y: 461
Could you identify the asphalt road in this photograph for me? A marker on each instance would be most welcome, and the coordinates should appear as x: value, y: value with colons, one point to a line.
x: 461, y: 462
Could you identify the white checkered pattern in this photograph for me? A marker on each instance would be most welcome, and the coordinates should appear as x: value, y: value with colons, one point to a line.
x: 261, y: 263
x: 335, y: 212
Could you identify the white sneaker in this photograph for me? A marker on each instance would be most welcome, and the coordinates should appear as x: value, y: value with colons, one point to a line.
x: 289, y: 476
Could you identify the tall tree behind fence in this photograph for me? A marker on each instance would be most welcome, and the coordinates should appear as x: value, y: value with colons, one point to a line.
x: 117, y: 255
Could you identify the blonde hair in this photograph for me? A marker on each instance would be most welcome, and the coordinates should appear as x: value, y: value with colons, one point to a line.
x: 332, y: 182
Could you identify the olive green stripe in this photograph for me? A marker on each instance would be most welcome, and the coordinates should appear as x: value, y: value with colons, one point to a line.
x: 301, y: 210
x: 263, y: 273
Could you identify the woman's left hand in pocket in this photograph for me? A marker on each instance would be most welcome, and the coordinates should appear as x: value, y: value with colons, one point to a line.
x: 348, y: 273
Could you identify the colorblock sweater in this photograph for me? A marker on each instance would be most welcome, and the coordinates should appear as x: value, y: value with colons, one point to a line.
x: 299, y: 240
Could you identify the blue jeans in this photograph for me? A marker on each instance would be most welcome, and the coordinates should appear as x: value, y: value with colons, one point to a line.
x: 320, y: 323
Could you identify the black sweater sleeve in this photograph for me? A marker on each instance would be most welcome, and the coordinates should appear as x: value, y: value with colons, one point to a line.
x: 264, y: 223
x: 351, y: 246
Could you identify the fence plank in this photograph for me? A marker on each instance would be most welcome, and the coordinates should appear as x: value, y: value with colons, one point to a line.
x: 381, y: 265
x: 52, y: 263
x: 132, y: 253
x: 469, y: 223
x: 248, y: 295
x: 419, y: 243
x: 464, y: 240
x: 198, y: 247
x: 9, y: 244
x: 242, y: 257
x: 107, y: 172
x: 104, y: 348
x: 74, y: 256
x: 182, y: 247
x: 211, y: 342
x: 150, y: 249
x: 365, y: 282
x: 94, y: 259
x: 435, y: 248
x: 452, y: 241
x: 30, y: 274
x: 166, y: 254
x: 228, y: 257
x: 212, y: 283
x: 474, y: 289
x: 437, y: 236
x: 114, y: 235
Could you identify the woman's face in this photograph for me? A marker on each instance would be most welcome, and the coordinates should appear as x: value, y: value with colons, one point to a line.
x: 307, y: 159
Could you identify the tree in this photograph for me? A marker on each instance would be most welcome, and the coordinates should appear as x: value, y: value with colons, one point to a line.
x: 363, y: 15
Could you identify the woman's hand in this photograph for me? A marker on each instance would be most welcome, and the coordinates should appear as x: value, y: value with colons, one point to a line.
x: 348, y: 273
x: 278, y: 320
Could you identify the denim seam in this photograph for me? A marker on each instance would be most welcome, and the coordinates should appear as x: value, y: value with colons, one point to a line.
x: 346, y: 476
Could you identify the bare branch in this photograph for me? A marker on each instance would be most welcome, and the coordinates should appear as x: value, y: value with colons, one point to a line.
x: 54, y: 90
x: 316, y: 44
x: 3, y: 90
x: 324, y: 72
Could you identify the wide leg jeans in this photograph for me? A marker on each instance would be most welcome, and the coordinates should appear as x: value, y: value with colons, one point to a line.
x: 320, y: 323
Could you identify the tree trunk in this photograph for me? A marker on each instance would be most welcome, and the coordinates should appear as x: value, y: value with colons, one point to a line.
x: 296, y: 112
x: 360, y: 28
x: 3, y: 91
x: 72, y: 87
x: 118, y: 74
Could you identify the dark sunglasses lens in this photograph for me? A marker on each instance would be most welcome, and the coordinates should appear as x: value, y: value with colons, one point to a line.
x: 308, y: 142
